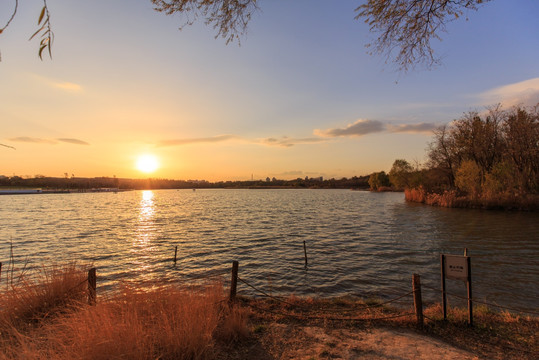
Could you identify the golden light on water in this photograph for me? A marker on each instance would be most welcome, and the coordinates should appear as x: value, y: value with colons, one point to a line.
x: 147, y: 163
x: 145, y: 226
x: 143, y: 246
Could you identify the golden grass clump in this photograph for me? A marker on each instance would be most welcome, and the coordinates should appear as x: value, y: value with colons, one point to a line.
x: 49, y: 318
x: 30, y: 298
x: 164, y: 323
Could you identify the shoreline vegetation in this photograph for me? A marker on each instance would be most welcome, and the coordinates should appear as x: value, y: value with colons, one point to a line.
x: 484, y: 161
x: 46, y: 316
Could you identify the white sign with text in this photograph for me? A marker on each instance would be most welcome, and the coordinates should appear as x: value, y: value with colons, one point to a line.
x: 456, y: 267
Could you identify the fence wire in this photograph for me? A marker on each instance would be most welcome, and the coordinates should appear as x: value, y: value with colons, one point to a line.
x: 483, y: 302
x: 320, y: 317
x: 329, y: 309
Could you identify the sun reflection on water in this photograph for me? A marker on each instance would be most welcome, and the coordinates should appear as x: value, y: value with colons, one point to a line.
x: 145, y: 234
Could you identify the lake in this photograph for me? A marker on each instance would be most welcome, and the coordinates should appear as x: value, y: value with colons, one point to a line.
x: 358, y: 243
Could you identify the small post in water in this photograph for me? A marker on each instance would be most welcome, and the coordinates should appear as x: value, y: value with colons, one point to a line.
x: 233, y: 281
x: 305, y: 252
x: 175, y: 254
x: 92, y: 286
x: 418, y: 303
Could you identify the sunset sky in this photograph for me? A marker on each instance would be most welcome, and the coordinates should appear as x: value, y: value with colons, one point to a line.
x: 300, y: 96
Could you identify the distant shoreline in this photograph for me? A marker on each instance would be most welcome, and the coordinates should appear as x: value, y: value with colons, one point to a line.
x: 57, y: 191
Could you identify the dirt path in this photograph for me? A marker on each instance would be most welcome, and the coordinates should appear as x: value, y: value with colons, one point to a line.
x: 286, y: 342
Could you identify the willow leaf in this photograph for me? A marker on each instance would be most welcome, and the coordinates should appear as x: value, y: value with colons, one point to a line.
x: 41, y: 15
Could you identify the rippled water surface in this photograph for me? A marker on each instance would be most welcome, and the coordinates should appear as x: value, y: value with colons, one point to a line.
x: 358, y: 243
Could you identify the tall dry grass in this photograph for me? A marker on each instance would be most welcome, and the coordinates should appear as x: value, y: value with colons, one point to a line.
x: 29, y: 298
x: 168, y: 322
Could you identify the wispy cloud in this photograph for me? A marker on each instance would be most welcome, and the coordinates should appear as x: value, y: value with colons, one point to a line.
x: 291, y: 173
x: 359, y: 128
x: 212, y: 139
x: 34, y: 140
x: 11, y: 147
x: 524, y: 93
x: 73, y: 141
x: 67, y: 86
x: 58, y: 84
x: 425, y: 128
x: 286, y: 141
x: 27, y: 139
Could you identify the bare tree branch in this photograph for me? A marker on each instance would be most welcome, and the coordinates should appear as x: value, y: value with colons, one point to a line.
x: 229, y: 17
x: 406, y: 27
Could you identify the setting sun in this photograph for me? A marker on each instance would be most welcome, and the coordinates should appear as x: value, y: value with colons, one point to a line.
x: 147, y: 163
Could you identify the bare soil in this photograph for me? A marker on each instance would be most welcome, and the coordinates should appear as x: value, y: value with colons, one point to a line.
x: 281, y: 331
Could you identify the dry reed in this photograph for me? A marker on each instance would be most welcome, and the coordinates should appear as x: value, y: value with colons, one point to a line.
x: 49, y: 319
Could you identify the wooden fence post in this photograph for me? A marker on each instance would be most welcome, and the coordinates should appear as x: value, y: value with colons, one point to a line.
x: 305, y: 252
x: 92, y: 286
x: 418, y: 303
x: 175, y: 254
x: 233, y: 281
x: 444, y: 299
x: 469, y: 290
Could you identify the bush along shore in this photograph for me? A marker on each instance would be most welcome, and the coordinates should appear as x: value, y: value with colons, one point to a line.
x: 47, y: 315
x: 487, y: 161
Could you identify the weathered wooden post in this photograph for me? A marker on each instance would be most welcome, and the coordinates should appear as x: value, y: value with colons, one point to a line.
x: 469, y: 290
x: 465, y: 251
x: 233, y: 281
x: 458, y: 268
x: 305, y: 252
x: 175, y: 254
x: 444, y: 299
x: 418, y: 303
x: 0, y: 271
x: 92, y: 286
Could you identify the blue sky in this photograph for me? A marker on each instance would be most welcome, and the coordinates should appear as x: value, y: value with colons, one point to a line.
x: 299, y: 97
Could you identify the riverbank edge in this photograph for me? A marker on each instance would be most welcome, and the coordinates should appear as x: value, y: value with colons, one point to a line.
x: 254, y: 326
x: 450, y: 199
x: 495, y: 335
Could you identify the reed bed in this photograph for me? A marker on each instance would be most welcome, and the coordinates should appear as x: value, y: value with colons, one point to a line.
x: 451, y: 199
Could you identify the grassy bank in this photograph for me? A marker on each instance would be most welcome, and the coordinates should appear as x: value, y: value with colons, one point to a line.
x: 46, y: 316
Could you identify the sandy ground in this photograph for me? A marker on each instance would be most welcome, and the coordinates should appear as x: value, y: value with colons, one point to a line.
x: 283, y: 341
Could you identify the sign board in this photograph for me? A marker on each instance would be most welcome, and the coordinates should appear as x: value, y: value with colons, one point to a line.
x: 456, y: 267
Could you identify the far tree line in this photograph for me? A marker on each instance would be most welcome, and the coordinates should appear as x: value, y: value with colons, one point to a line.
x: 478, y: 160
x: 82, y: 184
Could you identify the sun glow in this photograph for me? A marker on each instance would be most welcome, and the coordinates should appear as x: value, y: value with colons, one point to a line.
x: 147, y: 163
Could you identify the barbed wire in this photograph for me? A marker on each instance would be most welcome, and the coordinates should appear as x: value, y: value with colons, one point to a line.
x: 330, y: 309
x: 483, y: 302
x: 321, y: 317
x: 204, y: 277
